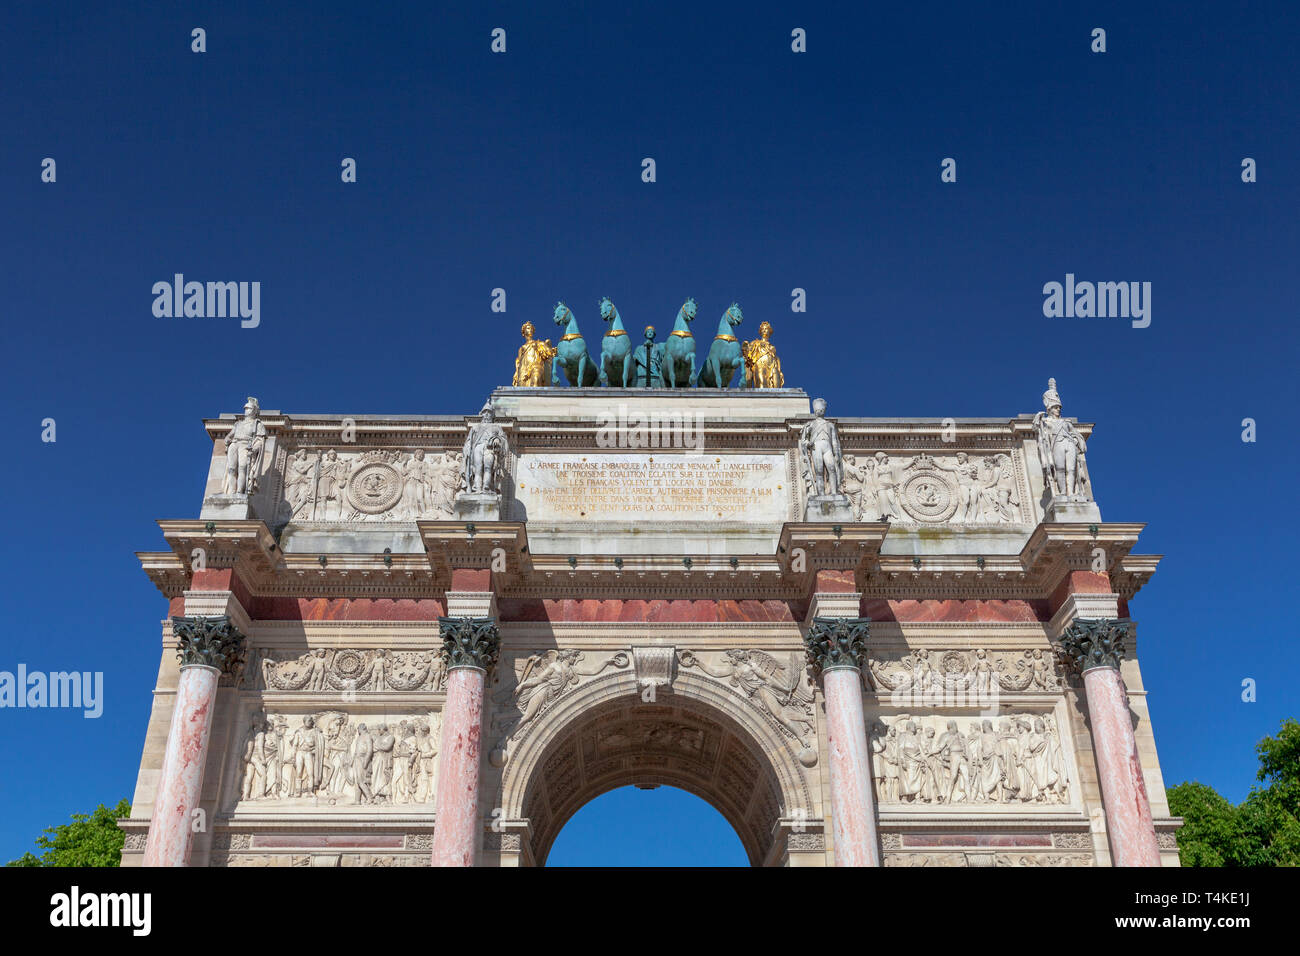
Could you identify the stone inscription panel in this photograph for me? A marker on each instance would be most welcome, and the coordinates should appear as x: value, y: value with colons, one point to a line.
x: 748, y: 489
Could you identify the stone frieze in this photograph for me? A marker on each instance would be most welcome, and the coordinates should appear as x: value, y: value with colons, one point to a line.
x: 1008, y: 761
x: 333, y: 759
x: 352, y: 669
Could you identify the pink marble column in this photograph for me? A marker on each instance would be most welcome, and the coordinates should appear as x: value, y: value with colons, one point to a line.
x: 838, y: 646
x: 456, y: 827
x: 853, y: 805
x: 1123, y: 790
x: 1096, y: 646
x: 171, y: 834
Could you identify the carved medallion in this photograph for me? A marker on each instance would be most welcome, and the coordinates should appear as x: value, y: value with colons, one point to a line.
x: 374, y: 488
x: 927, y: 496
x: 953, y: 665
x: 348, y: 669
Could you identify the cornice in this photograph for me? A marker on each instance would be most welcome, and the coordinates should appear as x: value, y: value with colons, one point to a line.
x: 788, y: 574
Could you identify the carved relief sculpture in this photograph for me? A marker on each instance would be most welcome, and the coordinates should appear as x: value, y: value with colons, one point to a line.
x: 1018, y: 761
x: 929, y: 489
x: 977, y: 672
x: 329, y: 760
x: 300, y: 482
x: 347, y: 669
x: 543, y: 680
x: 779, y: 689
x: 380, y: 484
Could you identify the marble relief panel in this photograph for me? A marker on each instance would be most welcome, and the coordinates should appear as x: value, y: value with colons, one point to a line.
x: 331, y: 758
x: 948, y: 489
x: 374, y: 485
x: 1007, y: 760
x: 327, y: 670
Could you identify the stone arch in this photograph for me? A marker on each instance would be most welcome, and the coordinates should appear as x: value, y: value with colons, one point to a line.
x: 700, y: 735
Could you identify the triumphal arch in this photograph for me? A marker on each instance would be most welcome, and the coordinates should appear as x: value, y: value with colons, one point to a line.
x: 412, y: 640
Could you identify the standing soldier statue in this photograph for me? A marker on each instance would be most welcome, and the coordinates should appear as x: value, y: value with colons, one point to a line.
x: 484, y: 446
x: 1060, y: 446
x: 819, y: 444
x: 244, y: 447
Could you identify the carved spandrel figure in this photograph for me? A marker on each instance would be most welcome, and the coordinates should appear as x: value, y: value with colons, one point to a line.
x: 762, y: 366
x: 778, y: 688
x: 819, y: 446
x: 1060, y: 446
x: 540, y: 685
x: 243, y: 446
x: 533, y: 361
x: 485, y: 446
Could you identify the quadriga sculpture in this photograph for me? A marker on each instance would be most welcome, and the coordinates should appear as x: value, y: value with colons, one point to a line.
x: 572, y: 355
x: 679, y: 350
x: 616, y: 362
x: 724, y: 354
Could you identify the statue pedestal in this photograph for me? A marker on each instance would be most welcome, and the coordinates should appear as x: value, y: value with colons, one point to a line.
x: 1072, y: 508
x: 234, y: 507
x: 828, y: 508
x: 484, y: 506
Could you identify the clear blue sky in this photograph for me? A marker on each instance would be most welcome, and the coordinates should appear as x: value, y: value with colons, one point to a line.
x: 523, y: 171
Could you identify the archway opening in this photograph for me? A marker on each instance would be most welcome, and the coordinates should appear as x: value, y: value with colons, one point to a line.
x: 647, y: 826
x: 712, y: 747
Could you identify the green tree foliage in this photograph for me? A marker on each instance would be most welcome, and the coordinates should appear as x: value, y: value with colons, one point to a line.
x: 89, y: 840
x: 1209, y: 823
x: 1264, y: 830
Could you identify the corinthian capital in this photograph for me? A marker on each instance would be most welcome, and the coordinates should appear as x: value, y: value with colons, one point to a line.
x: 469, y: 641
x: 212, y: 641
x: 838, y: 641
x: 1095, y: 642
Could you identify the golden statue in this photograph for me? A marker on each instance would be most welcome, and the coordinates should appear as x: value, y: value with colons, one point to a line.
x: 762, y: 367
x: 533, y: 363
